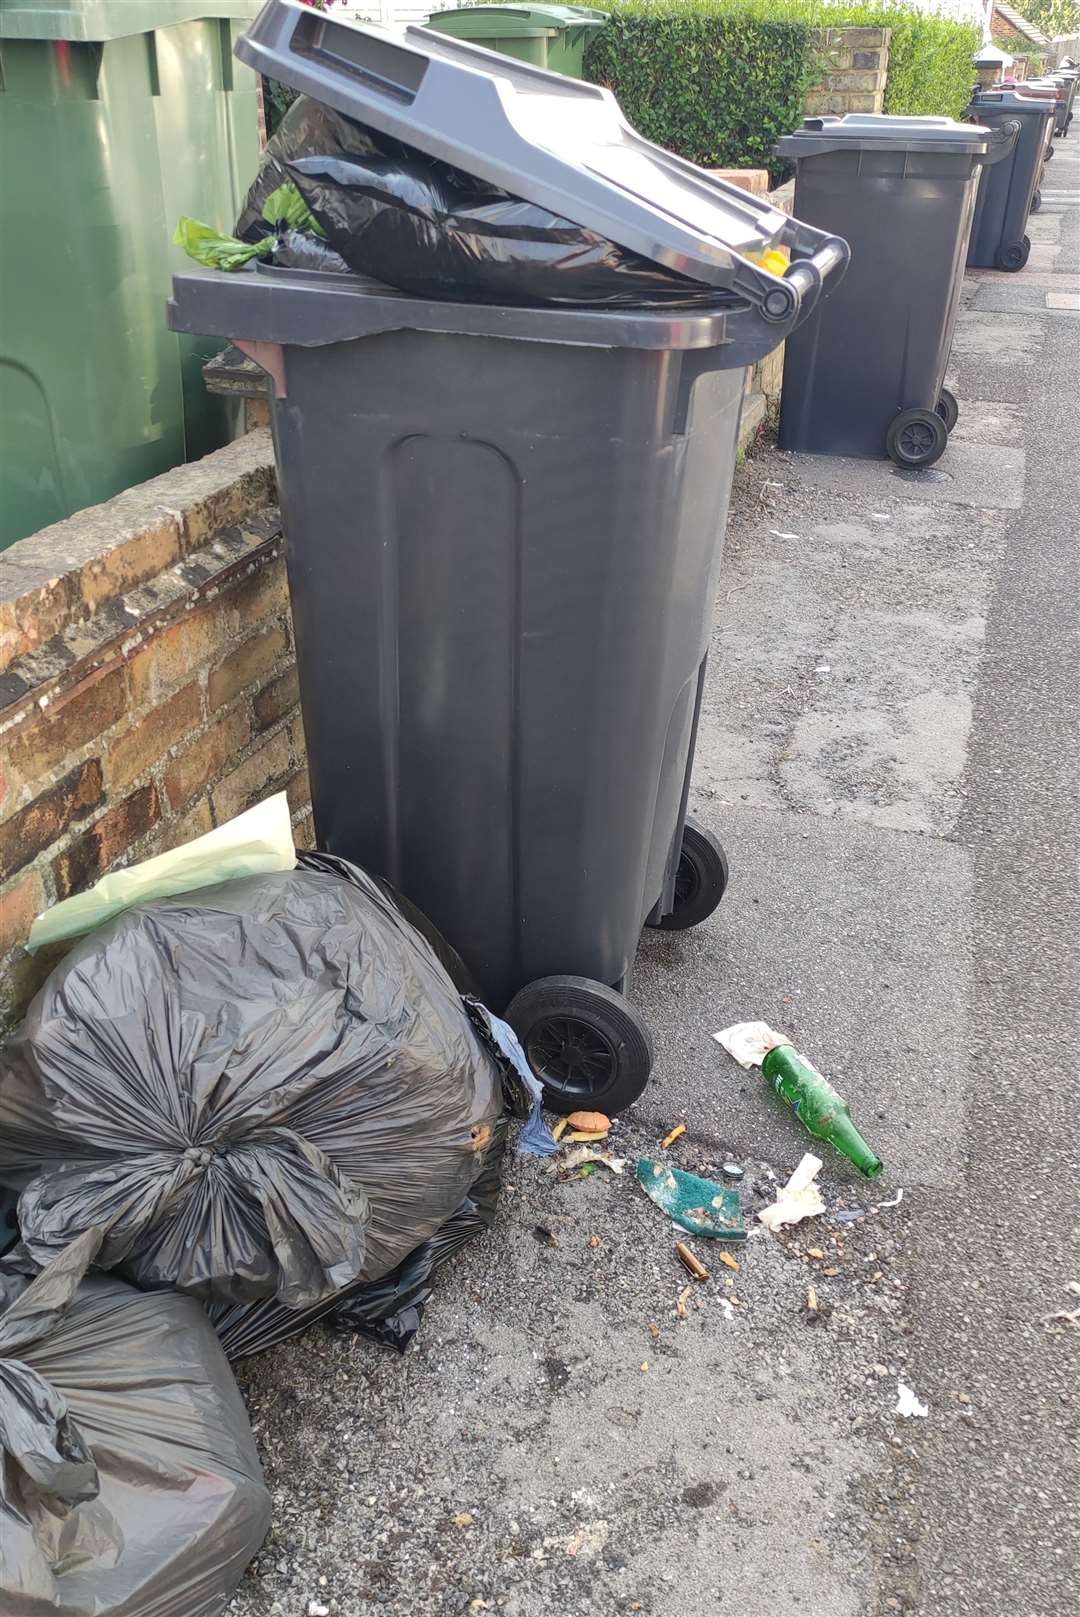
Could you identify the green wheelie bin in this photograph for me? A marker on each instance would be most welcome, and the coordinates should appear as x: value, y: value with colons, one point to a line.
x: 544, y: 36
x: 116, y: 117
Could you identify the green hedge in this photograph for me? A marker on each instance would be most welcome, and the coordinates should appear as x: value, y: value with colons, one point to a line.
x: 719, y: 80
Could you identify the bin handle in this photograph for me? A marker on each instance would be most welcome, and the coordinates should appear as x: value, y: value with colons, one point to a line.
x: 808, y: 274
x: 1002, y: 140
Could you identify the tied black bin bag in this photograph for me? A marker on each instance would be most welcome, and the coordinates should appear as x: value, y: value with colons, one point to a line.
x: 268, y: 1089
x: 129, y: 1481
x: 419, y: 224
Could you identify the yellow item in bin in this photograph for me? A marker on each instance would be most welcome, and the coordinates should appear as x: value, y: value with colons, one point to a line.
x: 776, y: 260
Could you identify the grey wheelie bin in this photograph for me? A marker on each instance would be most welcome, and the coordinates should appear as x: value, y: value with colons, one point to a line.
x: 864, y: 374
x: 1006, y: 196
x: 504, y: 529
x: 1060, y: 91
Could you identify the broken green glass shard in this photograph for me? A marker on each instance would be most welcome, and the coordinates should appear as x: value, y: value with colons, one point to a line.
x: 699, y: 1205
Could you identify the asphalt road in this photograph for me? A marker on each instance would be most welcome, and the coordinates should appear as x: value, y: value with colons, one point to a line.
x: 889, y: 749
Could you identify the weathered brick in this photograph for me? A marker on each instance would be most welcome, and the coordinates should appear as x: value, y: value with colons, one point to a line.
x: 847, y: 83
x: 865, y: 39
x: 298, y: 790
x: 131, y: 562
x: 19, y: 903
x: 42, y: 822
x: 870, y: 60
x: 193, y: 769
x: 246, y: 665
x: 98, y: 849
x: 755, y: 180
x: 254, y: 779
x: 263, y: 594
x: 276, y: 699
x: 152, y: 737
x: 195, y: 823
x: 304, y: 830
x: 59, y: 731
x: 172, y: 656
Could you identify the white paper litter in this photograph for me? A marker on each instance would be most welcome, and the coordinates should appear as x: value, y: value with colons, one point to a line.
x: 800, y: 1198
x: 749, y: 1042
x: 893, y: 1202
x: 908, y: 1405
x: 726, y: 1307
x: 778, y: 535
x: 585, y: 1153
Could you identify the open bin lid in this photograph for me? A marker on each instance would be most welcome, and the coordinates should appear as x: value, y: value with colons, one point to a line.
x: 554, y: 141
x: 1012, y: 101
x: 881, y: 131
x: 515, y: 22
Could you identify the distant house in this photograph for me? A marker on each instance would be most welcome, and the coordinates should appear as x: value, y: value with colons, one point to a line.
x: 1009, y: 25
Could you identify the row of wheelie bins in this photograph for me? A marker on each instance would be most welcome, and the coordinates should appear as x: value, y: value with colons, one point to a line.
x: 504, y: 522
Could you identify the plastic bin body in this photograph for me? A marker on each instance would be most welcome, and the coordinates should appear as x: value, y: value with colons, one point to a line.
x: 1006, y: 192
x: 106, y: 141
x: 552, y: 37
x: 880, y: 344
x: 502, y: 560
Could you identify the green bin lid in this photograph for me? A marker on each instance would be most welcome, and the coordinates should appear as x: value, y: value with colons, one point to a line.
x: 94, y: 20
x: 515, y: 22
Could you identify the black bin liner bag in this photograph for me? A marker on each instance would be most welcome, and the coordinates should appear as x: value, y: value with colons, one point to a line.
x: 419, y: 224
x: 129, y: 1481
x: 269, y: 1089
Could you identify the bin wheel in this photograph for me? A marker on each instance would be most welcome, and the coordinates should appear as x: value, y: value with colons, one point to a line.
x: 1048, y: 154
x: 586, y: 1043
x: 700, y: 881
x: 1013, y: 257
x: 916, y: 438
x: 948, y: 409
x: 1036, y: 200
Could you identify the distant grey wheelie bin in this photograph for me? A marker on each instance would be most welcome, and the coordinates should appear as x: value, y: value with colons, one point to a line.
x: 864, y: 374
x: 999, y: 238
x: 503, y: 530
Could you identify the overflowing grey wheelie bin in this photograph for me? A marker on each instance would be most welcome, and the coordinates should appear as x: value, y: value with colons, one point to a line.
x: 864, y: 374
x: 504, y: 528
x: 999, y: 238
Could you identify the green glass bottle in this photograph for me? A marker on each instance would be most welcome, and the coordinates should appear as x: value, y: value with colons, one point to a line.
x: 817, y: 1105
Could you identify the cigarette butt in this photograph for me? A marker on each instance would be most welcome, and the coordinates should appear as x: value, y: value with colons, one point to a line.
x: 811, y: 1298
x: 669, y: 1139
x: 680, y: 1305
x: 594, y: 1241
x: 726, y: 1258
x: 814, y: 1252
x: 654, y: 1331
x: 830, y: 1272
x: 692, y: 1264
x: 559, y: 1129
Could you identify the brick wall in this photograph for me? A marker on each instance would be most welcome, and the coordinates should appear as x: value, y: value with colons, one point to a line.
x: 147, y: 685
x: 853, y: 65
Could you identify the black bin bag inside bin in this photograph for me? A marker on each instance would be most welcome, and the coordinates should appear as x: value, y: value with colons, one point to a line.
x: 129, y: 1481
x: 267, y: 1089
x: 419, y: 224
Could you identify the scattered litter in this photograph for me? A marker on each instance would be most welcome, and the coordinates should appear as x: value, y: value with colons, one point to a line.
x: 644, y: 1367
x: 1062, y: 1318
x: 464, y: 1518
x: 726, y: 1258
x: 726, y: 1308
x: 692, y: 1264
x: 778, y: 535
x: 815, y: 1252
x: 560, y: 1128
x: 590, y: 1122
x: 815, y: 1311
x: 849, y: 1215
x: 680, y: 1302
x: 589, y: 1135
x: 880, y: 516
x: 894, y: 1201
x: 699, y: 1205
x: 317, y: 1609
x: 130, y: 1480
x: 585, y: 1154
x: 654, y: 1331
x: 731, y: 1172
x: 800, y: 1198
x: 594, y: 1241
x: 823, y: 668
x: 908, y: 1405
x: 748, y: 1042
x: 821, y: 1111
x: 669, y: 1139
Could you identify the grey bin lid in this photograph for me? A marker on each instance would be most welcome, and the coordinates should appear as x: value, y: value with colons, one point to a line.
x: 555, y: 141
x: 881, y: 131
x: 996, y: 100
